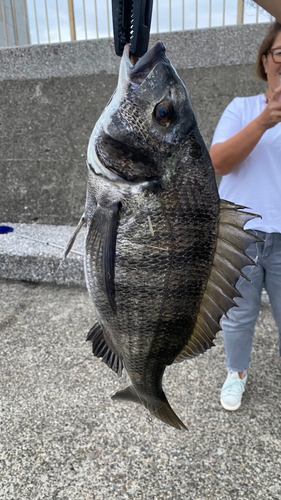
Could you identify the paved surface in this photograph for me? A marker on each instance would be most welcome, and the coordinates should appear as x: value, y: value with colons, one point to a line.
x: 63, y: 438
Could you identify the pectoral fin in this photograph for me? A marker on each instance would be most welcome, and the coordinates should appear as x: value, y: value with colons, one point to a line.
x: 229, y: 260
x: 101, y: 244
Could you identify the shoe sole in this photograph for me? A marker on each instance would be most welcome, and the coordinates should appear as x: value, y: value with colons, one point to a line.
x: 230, y: 408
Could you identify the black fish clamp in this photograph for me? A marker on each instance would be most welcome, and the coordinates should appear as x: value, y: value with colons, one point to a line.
x: 131, y: 24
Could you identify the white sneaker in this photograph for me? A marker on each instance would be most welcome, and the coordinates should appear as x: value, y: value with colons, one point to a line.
x: 232, y: 391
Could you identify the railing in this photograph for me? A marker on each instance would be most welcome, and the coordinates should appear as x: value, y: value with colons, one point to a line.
x: 49, y: 21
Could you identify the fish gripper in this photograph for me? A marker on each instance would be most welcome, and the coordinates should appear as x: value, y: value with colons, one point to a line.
x: 131, y: 24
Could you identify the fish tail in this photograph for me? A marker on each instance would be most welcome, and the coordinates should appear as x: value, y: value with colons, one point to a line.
x: 161, y: 409
x: 166, y: 414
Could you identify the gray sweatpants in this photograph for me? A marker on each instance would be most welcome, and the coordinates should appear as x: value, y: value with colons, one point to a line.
x: 238, y: 331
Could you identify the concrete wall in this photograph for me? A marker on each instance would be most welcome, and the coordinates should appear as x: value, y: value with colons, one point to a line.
x: 52, y: 95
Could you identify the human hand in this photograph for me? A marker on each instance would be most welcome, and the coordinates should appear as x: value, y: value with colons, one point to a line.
x: 272, y: 113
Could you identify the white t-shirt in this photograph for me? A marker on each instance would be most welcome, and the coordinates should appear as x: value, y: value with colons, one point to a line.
x: 256, y: 183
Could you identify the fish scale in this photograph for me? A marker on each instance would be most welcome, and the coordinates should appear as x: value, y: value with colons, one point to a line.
x: 163, y: 253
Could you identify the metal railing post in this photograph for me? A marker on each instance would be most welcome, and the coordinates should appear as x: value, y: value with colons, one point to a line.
x: 26, y: 22
x: 170, y: 14
x: 71, y: 20
x: 5, y: 22
x: 96, y: 16
x: 85, y: 20
x: 47, y: 21
x: 157, y: 16
x: 36, y: 21
x: 58, y: 20
x: 108, y: 22
x: 240, y: 11
x: 15, y: 22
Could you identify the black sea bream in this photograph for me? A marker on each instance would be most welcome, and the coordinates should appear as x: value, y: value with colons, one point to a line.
x: 163, y: 253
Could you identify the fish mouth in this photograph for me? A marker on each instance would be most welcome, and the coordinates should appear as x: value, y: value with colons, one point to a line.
x: 137, y: 73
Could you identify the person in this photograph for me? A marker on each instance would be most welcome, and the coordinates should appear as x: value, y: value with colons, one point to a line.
x: 246, y: 151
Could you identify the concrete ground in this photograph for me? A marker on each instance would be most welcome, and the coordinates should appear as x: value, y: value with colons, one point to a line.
x: 62, y: 437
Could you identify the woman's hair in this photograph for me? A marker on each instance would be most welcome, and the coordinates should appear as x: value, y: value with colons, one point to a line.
x: 265, y: 47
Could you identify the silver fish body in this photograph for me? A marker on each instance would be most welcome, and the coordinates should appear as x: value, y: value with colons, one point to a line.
x: 155, y: 260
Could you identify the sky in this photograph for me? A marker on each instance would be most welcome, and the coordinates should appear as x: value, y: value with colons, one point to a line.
x: 99, y: 24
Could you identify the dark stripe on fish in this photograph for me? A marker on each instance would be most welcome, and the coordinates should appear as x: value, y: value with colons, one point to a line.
x: 183, y: 260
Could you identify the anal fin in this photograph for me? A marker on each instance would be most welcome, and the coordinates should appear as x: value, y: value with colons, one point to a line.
x: 102, y: 350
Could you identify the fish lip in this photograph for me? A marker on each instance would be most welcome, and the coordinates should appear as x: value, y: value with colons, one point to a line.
x: 138, y: 73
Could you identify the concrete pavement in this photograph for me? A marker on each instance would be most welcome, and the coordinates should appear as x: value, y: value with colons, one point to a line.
x: 63, y: 438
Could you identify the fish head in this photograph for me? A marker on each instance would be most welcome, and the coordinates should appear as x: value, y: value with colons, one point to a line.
x: 148, y: 116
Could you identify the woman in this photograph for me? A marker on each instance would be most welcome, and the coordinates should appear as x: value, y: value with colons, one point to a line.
x: 246, y: 150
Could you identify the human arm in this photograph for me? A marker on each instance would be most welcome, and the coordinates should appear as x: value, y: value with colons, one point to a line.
x: 228, y: 155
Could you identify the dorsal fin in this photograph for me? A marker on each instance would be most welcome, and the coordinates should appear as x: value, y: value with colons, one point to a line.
x: 229, y: 260
x: 102, y: 350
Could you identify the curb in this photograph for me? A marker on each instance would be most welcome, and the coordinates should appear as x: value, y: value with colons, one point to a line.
x: 34, y: 252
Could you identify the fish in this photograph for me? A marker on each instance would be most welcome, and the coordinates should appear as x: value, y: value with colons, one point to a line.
x: 163, y: 253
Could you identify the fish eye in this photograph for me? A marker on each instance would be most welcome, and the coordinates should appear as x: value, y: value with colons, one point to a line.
x: 164, y: 113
